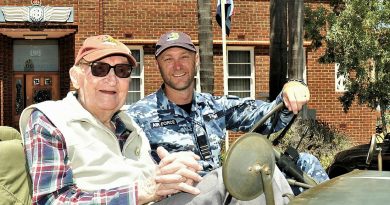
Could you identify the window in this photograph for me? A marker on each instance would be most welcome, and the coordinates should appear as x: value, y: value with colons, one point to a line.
x: 340, y: 79
x: 36, y: 55
x: 136, y: 88
x: 239, y: 76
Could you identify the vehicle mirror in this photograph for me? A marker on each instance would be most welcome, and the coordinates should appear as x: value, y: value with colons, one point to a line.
x: 248, y: 168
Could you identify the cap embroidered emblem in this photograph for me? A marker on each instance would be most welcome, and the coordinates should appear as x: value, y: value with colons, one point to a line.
x: 173, y: 36
x: 109, y: 40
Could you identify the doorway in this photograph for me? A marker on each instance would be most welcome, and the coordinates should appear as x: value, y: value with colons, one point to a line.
x: 36, y: 75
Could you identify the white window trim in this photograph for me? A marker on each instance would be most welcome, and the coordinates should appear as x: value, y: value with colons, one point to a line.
x: 304, y: 66
x: 340, y: 80
x: 197, y: 75
x: 142, y: 77
x: 252, y: 76
x: 197, y: 79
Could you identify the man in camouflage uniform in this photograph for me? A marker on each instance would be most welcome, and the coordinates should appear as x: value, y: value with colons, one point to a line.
x: 179, y: 119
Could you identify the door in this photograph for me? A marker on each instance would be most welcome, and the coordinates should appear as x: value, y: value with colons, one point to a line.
x: 36, y: 74
x: 33, y: 87
x: 41, y: 87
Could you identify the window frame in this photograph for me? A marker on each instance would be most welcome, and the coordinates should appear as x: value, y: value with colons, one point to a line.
x: 197, y: 79
x: 339, y: 87
x: 252, y: 67
x: 197, y: 75
x: 141, y: 75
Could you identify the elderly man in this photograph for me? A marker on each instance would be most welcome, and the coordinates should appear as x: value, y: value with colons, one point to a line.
x: 83, y: 150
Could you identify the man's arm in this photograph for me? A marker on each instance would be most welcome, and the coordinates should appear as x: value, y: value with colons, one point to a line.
x: 51, y: 176
x: 243, y: 113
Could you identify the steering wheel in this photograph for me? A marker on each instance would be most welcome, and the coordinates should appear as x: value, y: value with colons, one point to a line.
x: 288, y: 166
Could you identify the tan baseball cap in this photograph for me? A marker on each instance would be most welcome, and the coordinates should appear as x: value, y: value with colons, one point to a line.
x: 174, y: 39
x: 98, y: 47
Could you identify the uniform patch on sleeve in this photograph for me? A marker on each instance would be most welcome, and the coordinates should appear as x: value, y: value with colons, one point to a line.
x: 163, y: 123
x: 213, y: 116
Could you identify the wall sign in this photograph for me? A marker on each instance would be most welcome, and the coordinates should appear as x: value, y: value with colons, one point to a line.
x: 36, y: 81
x: 48, y: 81
x: 36, y: 13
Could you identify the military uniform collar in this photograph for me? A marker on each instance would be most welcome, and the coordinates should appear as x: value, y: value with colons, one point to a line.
x: 163, y: 103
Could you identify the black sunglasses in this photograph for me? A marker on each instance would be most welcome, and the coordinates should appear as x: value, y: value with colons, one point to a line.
x: 100, y: 69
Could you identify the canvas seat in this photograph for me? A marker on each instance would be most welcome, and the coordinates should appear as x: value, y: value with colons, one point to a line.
x: 15, y: 183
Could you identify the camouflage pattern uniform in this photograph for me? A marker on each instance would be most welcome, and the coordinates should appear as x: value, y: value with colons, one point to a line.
x: 312, y: 167
x: 168, y: 125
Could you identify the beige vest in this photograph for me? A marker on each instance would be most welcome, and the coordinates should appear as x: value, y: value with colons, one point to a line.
x: 93, y: 150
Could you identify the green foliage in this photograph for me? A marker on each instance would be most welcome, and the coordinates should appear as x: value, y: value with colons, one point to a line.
x: 358, y: 38
x: 319, y: 139
x: 387, y: 118
x: 314, y: 21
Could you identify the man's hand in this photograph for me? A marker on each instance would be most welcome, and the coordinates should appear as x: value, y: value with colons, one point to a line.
x: 295, y: 95
x: 177, y: 172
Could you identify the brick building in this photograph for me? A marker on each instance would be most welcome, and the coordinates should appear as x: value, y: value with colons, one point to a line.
x: 38, y: 47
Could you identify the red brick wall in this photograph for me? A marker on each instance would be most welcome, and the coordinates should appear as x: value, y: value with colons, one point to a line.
x: 151, y: 74
x: 87, y: 17
x: 358, y: 123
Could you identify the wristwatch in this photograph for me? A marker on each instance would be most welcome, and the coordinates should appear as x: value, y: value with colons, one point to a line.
x: 298, y: 80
